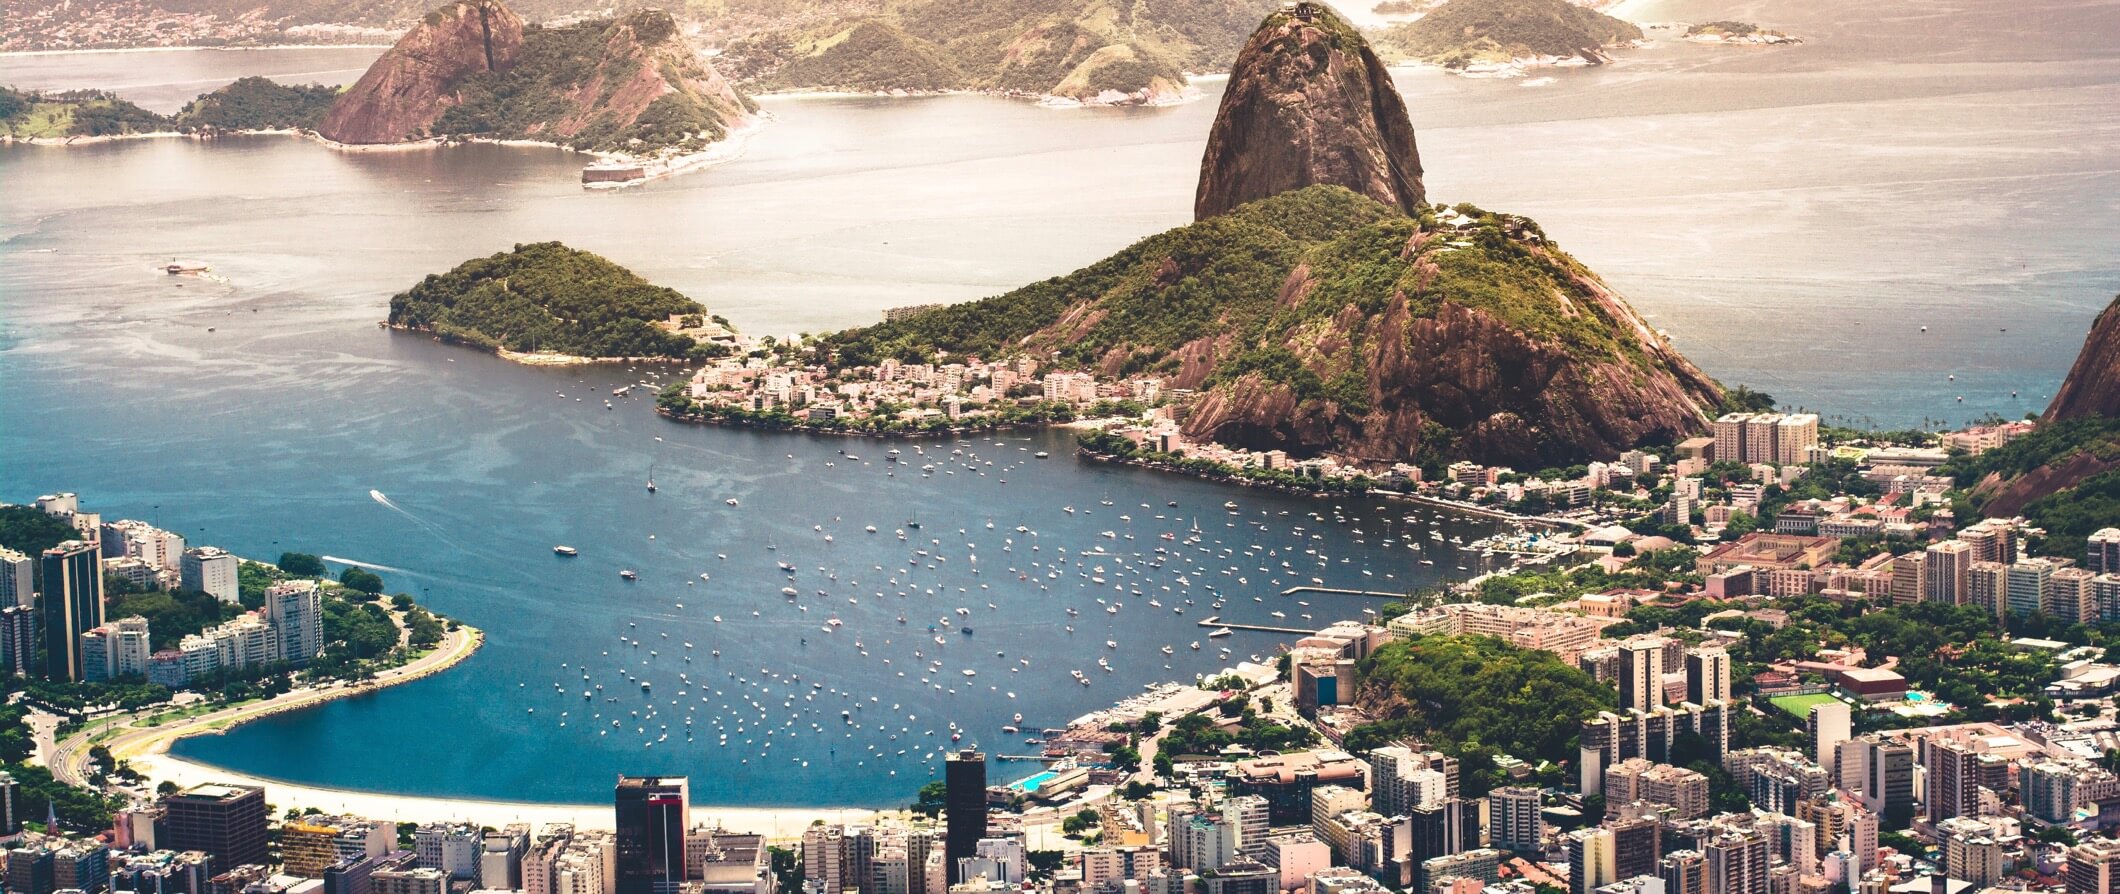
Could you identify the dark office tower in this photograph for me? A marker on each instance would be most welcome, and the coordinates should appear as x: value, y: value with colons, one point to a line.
x: 964, y: 779
x: 652, y: 818
x: 227, y: 821
x: 73, y: 604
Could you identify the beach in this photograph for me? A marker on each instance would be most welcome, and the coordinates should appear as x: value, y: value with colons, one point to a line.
x: 778, y: 823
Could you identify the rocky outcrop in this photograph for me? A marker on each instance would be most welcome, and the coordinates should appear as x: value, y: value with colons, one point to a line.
x: 1308, y: 102
x: 410, y: 86
x: 2093, y: 384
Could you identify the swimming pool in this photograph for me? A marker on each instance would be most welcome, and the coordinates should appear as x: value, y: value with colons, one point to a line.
x: 1031, y: 783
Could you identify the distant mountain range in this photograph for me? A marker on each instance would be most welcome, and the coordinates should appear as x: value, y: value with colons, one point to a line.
x: 1080, y: 49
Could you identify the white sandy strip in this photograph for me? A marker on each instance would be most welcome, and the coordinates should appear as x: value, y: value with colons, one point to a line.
x: 778, y: 823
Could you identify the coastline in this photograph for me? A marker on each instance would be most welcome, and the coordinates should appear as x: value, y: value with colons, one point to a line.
x: 127, y: 740
x: 243, y: 49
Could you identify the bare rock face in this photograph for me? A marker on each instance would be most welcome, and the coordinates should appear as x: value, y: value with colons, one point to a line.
x: 1309, y: 103
x: 2093, y: 384
x: 406, y: 90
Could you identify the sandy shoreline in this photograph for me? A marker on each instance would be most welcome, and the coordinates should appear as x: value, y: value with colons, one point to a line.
x: 773, y: 822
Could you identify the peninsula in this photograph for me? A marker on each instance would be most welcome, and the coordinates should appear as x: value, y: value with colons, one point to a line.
x: 1483, y: 36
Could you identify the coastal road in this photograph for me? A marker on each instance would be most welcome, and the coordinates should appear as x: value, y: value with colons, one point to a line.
x: 69, y: 760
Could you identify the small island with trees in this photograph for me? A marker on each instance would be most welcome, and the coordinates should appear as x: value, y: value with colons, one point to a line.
x: 546, y: 303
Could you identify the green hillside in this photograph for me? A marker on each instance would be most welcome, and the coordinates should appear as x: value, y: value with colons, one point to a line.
x: 76, y: 113
x: 259, y: 104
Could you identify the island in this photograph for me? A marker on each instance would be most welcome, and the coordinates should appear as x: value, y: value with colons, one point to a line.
x: 1738, y: 33
x: 1500, y: 37
x: 545, y: 303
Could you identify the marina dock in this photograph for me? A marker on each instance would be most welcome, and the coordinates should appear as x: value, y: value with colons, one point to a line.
x: 1341, y: 591
x: 1218, y: 622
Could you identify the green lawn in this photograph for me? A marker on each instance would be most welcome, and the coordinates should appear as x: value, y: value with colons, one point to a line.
x: 1799, y: 706
x: 45, y: 119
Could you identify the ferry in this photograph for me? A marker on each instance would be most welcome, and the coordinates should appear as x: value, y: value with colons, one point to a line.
x: 564, y: 550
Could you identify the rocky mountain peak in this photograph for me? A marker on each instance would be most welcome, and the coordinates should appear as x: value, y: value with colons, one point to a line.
x: 1309, y: 103
x: 413, y: 83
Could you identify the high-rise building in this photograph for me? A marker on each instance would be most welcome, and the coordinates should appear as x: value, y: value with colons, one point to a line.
x: 73, y: 604
x: 18, y: 639
x: 226, y: 821
x: 1202, y: 840
x: 500, y: 862
x: 1707, y: 674
x: 1987, y: 584
x: 1909, y: 579
x: 1793, y: 435
x: 1862, y: 841
x: 2103, y: 551
x: 1944, y: 571
x: 1592, y: 861
x: 1515, y: 822
x: 2093, y: 867
x: 1729, y: 431
x: 1400, y: 779
x: 210, y: 570
x: 1684, y: 872
x: 1829, y: 724
x: 296, y: 611
x: 964, y: 804
x: 1884, y: 774
x: 2028, y: 582
x: 1737, y: 862
x: 1641, y: 673
x: 10, y: 820
x: 18, y: 580
x: 652, y: 815
x: 1761, y: 437
x: 1956, y: 772
x: 452, y: 848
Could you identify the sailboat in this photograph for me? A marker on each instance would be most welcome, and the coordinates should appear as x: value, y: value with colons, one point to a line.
x: 651, y: 479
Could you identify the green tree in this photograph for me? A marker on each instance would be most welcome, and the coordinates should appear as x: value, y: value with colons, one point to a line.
x: 362, y: 579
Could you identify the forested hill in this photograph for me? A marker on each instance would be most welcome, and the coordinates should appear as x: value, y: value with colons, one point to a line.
x: 546, y: 297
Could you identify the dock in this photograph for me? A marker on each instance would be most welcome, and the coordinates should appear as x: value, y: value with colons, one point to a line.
x: 1341, y: 591
x: 1261, y: 628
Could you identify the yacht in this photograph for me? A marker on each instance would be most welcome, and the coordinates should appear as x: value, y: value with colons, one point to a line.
x: 564, y: 550
x: 628, y: 574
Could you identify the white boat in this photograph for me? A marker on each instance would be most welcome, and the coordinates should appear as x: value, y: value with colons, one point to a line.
x: 628, y: 574
x: 731, y: 501
x: 1219, y: 632
x: 564, y: 550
